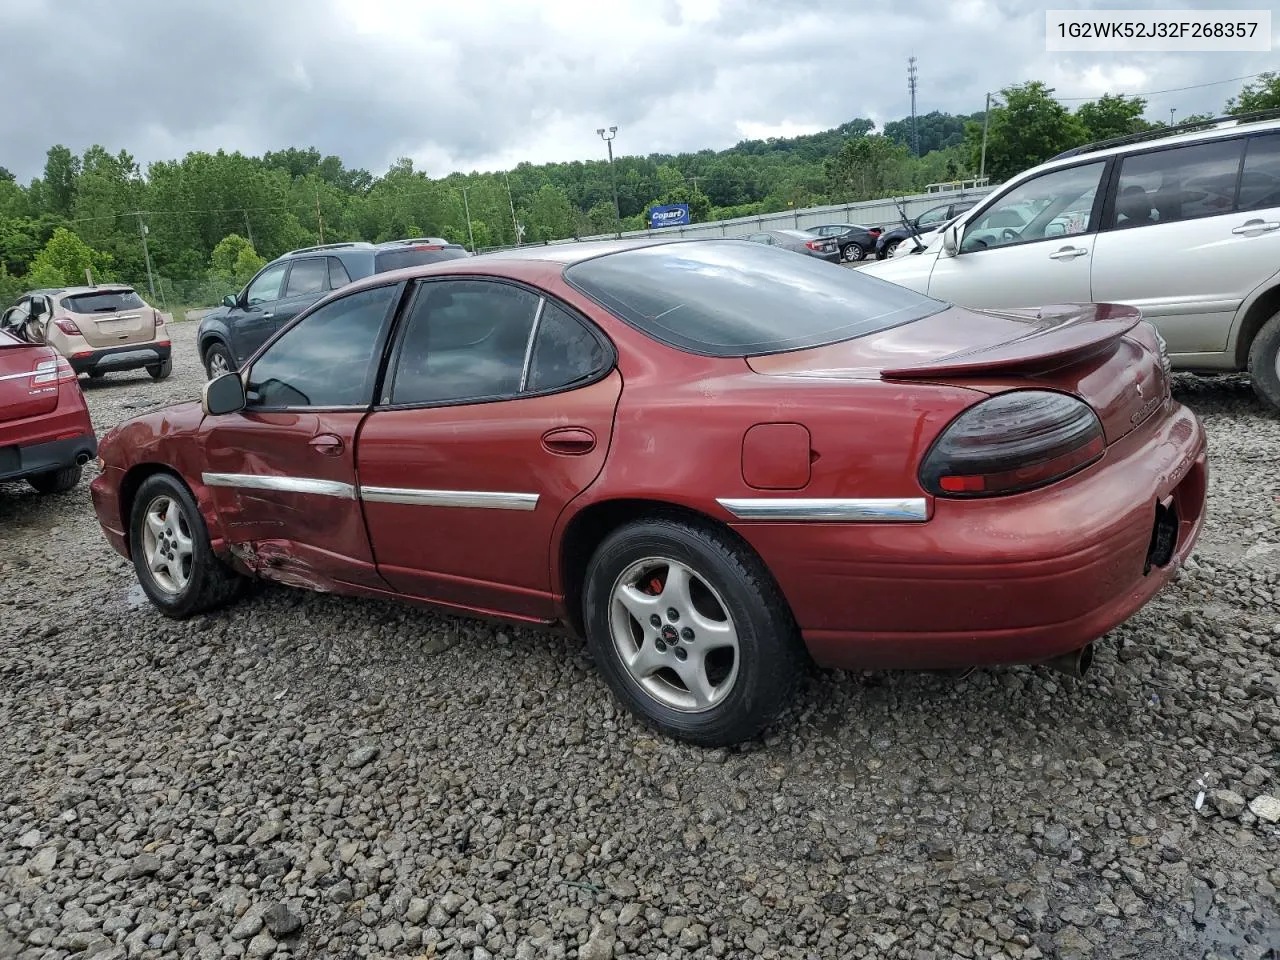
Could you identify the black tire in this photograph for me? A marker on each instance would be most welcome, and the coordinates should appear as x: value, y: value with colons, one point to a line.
x: 211, y: 584
x: 97, y: 374
x: 1264, y: 363
x: 161, y: 370
x: 890, y: 248
x: 770, y: 656
x: 852, y: 253
x: 57, y: 481
x: 219, y: 350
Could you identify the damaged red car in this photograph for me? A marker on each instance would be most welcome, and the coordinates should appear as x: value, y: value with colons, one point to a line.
x: 712, y: 459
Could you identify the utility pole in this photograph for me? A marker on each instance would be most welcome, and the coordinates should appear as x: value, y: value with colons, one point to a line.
x: 515, y: 224
x: 146, y: 255
x: 248, y: 229
x: 617, y: 214
x: 911, y: 85
x: 319, y: 217
x: 986, y: 116
x: 1172, y: 111
x: 467, y: 206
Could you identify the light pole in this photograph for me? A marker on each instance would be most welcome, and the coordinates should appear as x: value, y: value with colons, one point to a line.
x: 514, y: 222
x: 467, y: 206
x: 1172, y: 111
x: 617, y: 214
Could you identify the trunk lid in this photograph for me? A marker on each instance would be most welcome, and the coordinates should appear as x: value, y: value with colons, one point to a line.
x: 112, y: 318
x: 20, y: 395
x: 1102, y: 353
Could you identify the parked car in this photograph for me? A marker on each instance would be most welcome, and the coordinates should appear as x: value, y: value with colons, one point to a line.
x: 854, y: 239
x: 100, y: 329
x: 1183, y: 225
x: 799, y: 241
x: 292, y: 282
x: 929, y: 221
x: 45, y: 433
x: 708, y: 456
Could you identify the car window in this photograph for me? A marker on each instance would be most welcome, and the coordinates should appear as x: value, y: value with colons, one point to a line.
x: 327, y: 359
x: 564, y: 351
x: 1054, y: 204
x: 108, y: 301
x: 464, y: 340
x: 267, y: 286
x: 932, y: 217
x: 1260, y: 182
x: 307, y: 276
x: 1179, y: 184
x: 338, y: 276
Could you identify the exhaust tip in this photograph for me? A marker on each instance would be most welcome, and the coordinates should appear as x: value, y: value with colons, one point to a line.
x: 1074, y: 664
x: 81, y: 459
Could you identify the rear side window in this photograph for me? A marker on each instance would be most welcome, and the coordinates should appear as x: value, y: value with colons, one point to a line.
x: 1260, y: 184
x: 307, y: 276
x: 338, y: 276
x: 414, y: 257
x: 107, y: 301
x: 1179, y: 184
x: 723, y: 298
x: 564, y: 352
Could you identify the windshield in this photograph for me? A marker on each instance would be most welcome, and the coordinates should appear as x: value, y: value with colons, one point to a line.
x: 106, y: 301
x: 729, y: 299
x: 411, y: 257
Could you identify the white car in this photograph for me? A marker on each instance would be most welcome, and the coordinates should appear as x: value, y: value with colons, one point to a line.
x: 1184, y: 226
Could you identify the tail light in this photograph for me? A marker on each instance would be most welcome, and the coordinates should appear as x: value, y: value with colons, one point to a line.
x: 67, y: 326
x: 52, y: 371
x: 159, y: 317
x: 817, y: 246
x: 1011, y: 443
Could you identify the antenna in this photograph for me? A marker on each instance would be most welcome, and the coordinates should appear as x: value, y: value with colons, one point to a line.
x: 911, y: 85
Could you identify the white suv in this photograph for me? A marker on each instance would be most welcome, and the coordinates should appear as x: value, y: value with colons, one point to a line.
x: 1185, y: 226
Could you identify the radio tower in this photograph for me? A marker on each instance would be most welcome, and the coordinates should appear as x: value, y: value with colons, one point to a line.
x: 911, y: 85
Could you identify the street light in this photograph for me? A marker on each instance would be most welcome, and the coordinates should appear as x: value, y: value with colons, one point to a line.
x: 617, y: 215
x: 467, y: 207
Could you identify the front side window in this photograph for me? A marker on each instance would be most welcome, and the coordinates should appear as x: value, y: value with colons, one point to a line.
x: 463, y: 340
x: 1054, y: 204
x: 932, y: 217
x: 307, y: 276
x: 266, y: 287
x: 1178, y: 184
x: 1260, y: 183
x: 327, y: 359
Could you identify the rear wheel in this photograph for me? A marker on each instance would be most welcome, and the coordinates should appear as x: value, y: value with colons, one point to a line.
x: 97, y: 374
x: 690, y: 631
x: 172, y: 558
x: 853, y: 253
x: 217, y: 360
x: 57, y: 481
x: 1264, y: 362
x: 161, y: 370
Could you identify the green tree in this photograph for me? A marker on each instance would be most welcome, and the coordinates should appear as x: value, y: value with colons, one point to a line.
x: 599, y: 219
x: 865, y: 168
x: 61, y: 169
x: 548, y: 215
x: 234, y: 261
x: 64, y: 259
x: 1262, y: 93
x: 1112, y: 116
x: 1026, y: 127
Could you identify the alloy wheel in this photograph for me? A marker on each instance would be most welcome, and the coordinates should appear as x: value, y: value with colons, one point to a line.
x: 167, y: 545
x: 218, y: 364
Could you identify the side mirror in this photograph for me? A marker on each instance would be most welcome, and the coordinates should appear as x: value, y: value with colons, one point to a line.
x: 229, y: 300
x: 951, y: 240
x: 224, y: 394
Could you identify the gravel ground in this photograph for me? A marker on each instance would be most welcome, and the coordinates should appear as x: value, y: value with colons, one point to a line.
x: 311, y: 776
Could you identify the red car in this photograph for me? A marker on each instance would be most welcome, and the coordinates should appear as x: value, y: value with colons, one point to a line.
x: 706, y: 456
x: 46, y: 436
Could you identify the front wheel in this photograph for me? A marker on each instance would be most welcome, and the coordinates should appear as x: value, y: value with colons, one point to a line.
x: 217, y: 361
x: 172, y: 558
x: 853, y: 253
x: 1264, y: 363
x: 57, y: 481
x: 690, y: 631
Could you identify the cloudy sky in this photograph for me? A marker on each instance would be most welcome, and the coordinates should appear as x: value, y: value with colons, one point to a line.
x: 484, y: 84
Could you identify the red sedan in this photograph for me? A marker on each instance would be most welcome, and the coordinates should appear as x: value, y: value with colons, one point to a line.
x: 708, y: 457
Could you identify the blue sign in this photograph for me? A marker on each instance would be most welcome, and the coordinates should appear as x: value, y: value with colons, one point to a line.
x: 672, y: 215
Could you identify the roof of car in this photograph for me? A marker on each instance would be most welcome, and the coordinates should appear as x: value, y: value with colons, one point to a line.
x: 71, y: 291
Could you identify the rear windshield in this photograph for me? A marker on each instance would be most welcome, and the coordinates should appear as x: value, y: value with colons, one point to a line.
x: 410, y: 257
x: 104, y: 302
x: 726, y: 298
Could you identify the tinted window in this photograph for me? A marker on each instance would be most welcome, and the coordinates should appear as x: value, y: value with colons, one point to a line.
x: 1178, y: 184
x: 464, y: 340
x: 728, y: 299
x: 564, y: 351
x: 307, y: 276
x: 338, y: 276
x: 414, y: 256
x: 1054, y: 204
x: 328, y: 359
x: 1260, y: 185
x: 105, y: 302
x: 932, y: 217
x: 267, y: 287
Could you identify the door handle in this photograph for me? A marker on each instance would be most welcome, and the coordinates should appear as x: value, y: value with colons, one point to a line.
x: 1256, y: 226
x: 1068, y: 253
x: 328, y: 444
x: 570, y: 441
x: 267, y: 316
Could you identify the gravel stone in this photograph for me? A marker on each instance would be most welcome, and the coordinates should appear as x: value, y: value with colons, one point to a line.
x: 461, y: 789
x: 1227, y: 802
x: 281, y: 921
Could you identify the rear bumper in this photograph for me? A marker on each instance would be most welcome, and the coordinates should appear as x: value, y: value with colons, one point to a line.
x: 1016, y: 579
x: 17, y: 462
x: 129, y: 357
